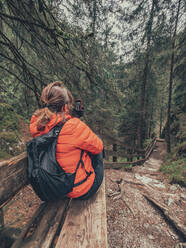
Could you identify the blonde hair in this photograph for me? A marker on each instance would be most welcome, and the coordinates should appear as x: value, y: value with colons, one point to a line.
x: 54, y: 97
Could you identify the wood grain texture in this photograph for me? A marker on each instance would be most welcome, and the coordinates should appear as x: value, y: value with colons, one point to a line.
x: 13, y: 176
x: 85, y: 223
x: 1, y: 219
x: 43, y: 227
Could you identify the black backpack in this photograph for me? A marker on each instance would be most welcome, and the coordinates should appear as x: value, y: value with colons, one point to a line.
x: 48, y: 179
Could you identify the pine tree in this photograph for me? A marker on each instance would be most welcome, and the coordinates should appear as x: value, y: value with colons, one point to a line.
x: 172, y: 64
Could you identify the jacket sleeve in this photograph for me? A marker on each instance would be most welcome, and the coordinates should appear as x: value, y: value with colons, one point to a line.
x: 87, y: 139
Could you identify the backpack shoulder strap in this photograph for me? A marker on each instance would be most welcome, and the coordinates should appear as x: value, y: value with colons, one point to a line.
x: 80, y: 160
x: 57, y: 128
x: 88, y: 173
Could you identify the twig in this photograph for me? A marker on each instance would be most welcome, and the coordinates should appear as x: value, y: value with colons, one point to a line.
x: 115, y: 193
x: 134, y: 183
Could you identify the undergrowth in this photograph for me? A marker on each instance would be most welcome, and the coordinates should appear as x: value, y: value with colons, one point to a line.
x: 175, y: 163
x: 10, y: 137
x: 175, y: 169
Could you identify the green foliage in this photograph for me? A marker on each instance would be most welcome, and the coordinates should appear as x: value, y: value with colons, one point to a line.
x: 9, y: 119
x: 10, y: 144
x: 10, y: 136
x: 176, y: 170
x: 46, y: 48
x: 181, y: 149
x: 178, y: 128
x: 147, y: 143
x: 175, y: 165
x: 4, y: 155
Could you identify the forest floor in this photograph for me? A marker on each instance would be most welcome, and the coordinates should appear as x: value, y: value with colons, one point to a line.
x: 143, y: 209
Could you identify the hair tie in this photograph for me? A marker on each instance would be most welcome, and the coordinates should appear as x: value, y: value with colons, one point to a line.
x: 46, y: 105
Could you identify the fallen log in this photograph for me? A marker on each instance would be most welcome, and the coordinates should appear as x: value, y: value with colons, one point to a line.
x: 173, y: 221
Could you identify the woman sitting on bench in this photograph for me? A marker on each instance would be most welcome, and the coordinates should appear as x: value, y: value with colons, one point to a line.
x: 74, y: 137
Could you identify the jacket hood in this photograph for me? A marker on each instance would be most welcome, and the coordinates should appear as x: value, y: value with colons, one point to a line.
x: 56, y: 118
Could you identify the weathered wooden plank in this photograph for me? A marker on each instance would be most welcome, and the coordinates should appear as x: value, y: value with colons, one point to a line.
x: 55, y: 229
x: 123, y: 153
x: 150, y: 149
x: 118, y: 165
x: 85, y: 224
x: 160, y: 140
x: 13, y: 177
x: 43, y: 227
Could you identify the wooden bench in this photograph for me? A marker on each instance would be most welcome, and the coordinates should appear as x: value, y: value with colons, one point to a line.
x: 65, y: 223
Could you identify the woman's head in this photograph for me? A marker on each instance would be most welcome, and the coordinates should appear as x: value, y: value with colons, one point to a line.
x: 55, y: 98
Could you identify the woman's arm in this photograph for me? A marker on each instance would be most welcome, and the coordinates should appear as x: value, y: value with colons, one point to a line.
x: 87, y: 139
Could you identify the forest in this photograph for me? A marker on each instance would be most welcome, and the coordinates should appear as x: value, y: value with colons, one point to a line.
x: 126, y: 60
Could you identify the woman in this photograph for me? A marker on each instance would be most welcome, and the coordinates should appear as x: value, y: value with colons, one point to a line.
x: 74, y: 137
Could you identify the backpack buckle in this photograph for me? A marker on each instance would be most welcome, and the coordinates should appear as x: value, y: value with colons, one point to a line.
x: 56, y: 132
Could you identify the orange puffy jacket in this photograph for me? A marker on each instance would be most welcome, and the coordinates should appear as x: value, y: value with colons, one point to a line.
x: 74, y: 136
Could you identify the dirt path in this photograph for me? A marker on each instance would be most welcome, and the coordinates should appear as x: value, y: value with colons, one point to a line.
x: 135, y: 203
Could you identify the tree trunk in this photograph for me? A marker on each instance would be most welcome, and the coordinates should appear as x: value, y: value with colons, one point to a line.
x: 171, y: 81
x: 161, y: 120
x: 150, y: 124
x: 94, y: 17
x: 144, y: 81
x: 114, y: 159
